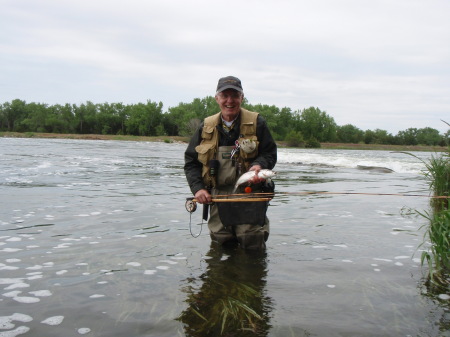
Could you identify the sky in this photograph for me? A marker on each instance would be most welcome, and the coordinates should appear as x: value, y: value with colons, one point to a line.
x: 378, y: 64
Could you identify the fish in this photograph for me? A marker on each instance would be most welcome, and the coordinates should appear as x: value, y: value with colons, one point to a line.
x: 250, y: 175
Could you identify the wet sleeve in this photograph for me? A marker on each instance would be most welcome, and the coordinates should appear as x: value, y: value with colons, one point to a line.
x: 192, y: 167
x: 267, y: 150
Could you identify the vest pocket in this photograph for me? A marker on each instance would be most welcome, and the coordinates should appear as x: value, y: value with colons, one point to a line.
x: 207, y: 132
x: 227, y: 171
x: 205, y: 153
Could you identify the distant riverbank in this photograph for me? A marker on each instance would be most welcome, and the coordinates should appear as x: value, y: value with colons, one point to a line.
x: 179, y: 139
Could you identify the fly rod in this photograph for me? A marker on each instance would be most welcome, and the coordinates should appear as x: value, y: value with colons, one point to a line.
x: 272, y: 194
x: 191, y: 203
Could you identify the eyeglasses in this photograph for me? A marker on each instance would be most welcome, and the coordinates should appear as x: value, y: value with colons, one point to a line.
x: 232, y: 95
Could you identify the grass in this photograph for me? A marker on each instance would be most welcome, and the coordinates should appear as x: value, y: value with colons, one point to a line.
x: 437, y: 234
x: 438, y: 255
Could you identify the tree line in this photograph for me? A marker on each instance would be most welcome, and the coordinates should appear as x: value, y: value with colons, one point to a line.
x: 308, y: 127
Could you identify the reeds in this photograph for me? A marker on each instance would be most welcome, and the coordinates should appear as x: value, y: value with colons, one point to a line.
x: 437, y: 234
x: 437, y: 173
x: 437, y: 255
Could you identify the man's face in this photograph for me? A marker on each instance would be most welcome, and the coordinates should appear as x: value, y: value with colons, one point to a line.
x: 230, y: 103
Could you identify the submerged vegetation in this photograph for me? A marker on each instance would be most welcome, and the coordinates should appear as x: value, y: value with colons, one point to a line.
x: 231, y: 300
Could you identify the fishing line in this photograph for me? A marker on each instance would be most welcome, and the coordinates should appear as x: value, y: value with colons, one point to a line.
x: 190, y: 226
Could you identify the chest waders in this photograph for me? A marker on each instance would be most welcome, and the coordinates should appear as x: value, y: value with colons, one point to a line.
x: 235, y: 213
x: 245, y: 222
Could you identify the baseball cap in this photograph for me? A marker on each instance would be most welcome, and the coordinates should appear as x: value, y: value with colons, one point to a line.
x: 229, y: 82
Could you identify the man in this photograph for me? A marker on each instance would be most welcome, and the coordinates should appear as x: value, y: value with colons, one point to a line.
x: 214, y: 160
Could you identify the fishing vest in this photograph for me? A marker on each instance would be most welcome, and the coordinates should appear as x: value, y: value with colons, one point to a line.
x: 208, y: 149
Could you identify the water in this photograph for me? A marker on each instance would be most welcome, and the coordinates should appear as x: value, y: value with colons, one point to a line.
x: 95, y: 241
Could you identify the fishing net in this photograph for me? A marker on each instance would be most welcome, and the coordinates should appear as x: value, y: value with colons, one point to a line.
x: 242, y: 213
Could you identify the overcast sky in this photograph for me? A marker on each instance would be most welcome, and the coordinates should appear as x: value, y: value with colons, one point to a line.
x: 375, y: 64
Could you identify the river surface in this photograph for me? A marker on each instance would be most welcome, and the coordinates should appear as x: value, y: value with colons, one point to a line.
x: 95, y: 240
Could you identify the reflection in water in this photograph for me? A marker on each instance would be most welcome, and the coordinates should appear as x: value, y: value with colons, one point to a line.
x: 229, y: 298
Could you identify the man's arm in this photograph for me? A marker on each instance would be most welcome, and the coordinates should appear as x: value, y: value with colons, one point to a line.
x: 193, y: 169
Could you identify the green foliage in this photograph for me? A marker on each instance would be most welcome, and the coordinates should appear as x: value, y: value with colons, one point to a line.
x: 349, y: 134
x: 312, y: 143
x: 148, y: 119
x: 378, y: 137
x: 317, y: 124
x: 408, y: 137
x: 12, y: 114
x: 182, y: 120
x: 144, y: 119
x: 428, y: 136
x: 294, y: 139
x: 278, y: 120
x: 437, y: 174
x: 438, y: 254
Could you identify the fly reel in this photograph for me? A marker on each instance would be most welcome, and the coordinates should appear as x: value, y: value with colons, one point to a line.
x: 190, y: 205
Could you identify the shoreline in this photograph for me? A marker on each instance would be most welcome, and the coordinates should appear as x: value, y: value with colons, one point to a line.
x: 180, y: 139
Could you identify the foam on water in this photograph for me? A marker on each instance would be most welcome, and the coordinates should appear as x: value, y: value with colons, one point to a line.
x: 13, y: 333
x: 54, y: 320
x: 97, y: 296
x: 41, y: 293
x: 26, y: 299
x: 17, y: 285
x: 84, y: 331
x: 397, y: 162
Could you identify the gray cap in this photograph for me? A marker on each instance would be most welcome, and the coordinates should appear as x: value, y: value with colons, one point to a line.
x: 229, y: 82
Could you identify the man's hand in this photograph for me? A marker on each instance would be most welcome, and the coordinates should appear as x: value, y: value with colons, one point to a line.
x: 256, y: 168
x: 255, y: 179
x: 203, y: 196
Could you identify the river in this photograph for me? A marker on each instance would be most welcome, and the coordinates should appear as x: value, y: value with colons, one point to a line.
x: 95, y: 240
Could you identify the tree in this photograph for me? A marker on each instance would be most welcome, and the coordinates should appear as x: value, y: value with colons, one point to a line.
x: 13, y: 113
x: 407, y: 137
x: 269, y: 112
x: 35, y: 118
x: 85, y: 116
x: 144, y: 119
x: 180, y: 119
x: 294, y: 139
x: 428, y: 136
x: 318, y: 125
x: 349, y: 134
x: 109, y: 118
x: 378, y: 137
x: 64, y: 118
